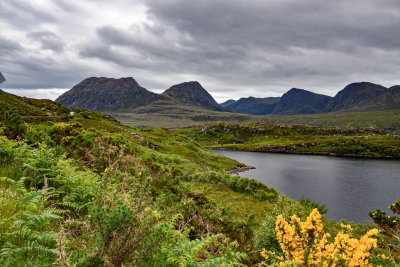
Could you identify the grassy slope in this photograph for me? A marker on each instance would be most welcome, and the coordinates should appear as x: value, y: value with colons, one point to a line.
x: 98, y: 142
x: 171, y: 116
x: 160, y: 138
x: 227, y: 197
x: 388, y: 120
x: 33, y: 107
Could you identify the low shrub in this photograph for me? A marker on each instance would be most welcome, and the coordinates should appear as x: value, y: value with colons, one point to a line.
x: 250, y: 187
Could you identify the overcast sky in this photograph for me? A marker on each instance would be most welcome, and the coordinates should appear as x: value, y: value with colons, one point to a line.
x: 234, y: 48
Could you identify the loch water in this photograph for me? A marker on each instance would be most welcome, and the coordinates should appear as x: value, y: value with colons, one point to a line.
x: 350, y: 187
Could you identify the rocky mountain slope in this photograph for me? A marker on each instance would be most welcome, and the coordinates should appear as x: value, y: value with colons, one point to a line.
x: 299, y: 101
x: 108, y: 94
x: 356, y: 96
x: 125, y: 94
x: 193, y: 94
x: 252, y: 105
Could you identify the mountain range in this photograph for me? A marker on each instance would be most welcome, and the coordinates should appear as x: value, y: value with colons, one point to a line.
x: 126, y: 95
x: 362, y: 96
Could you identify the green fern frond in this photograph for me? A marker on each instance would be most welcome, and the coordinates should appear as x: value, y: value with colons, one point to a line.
x: 6, y: 182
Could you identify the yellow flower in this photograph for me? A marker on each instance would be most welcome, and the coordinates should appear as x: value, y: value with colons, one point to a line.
x: 90, y: 216
x: 264, y: 254
x: 306, y: 244
x: 221, y: 219
x: 92, y: 198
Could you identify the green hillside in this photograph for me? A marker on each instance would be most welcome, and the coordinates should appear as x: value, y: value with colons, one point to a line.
x: 87, y: 190
x: 35, y: 107
x: 388, y: 120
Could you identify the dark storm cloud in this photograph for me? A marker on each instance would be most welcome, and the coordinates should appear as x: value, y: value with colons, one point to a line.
x: 280, y: 24
x: 234, y: 48
x: 159, y: 48
x: 26, y: 69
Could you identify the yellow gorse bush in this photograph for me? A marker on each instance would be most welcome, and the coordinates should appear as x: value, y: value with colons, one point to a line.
x: 65, y: 124
x: 108, y: 170
x: 306, y: 244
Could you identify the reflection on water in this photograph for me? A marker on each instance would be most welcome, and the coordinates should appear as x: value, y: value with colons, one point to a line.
x: 349, y: 187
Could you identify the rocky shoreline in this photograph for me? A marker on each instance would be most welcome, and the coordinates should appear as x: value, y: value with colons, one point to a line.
x: 241, y: 169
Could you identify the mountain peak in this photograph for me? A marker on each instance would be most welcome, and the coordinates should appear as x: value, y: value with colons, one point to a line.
x: 102, y: 80
x: 107, y: 94
x: 356, y: 95
x: 296, y: 90
x: 192, y: 93
x: 300, y: 101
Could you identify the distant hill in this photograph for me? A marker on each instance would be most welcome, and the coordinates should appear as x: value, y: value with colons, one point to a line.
x: 252, y: 105
x: 193, y: 94
x: 227, y: 102
x: 362, y: 96
x: 358, y: 96
x: 108, y: 94
x: 300, y: 101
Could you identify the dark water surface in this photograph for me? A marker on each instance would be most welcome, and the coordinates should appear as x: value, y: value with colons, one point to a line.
x: 349, y: 187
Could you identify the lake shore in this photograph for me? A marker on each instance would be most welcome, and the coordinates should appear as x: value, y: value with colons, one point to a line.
x: 292, y: 150
x: 241, y: 169
x: 366, y: 183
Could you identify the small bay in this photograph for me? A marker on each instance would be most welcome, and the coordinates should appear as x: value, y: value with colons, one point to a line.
x: 350, y: 187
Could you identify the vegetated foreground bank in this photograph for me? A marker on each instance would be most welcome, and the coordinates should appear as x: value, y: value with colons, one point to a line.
x: 86, y: 190
x: 297, y: 139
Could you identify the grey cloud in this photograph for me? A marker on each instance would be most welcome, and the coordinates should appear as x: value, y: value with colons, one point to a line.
x: 25, y: 14
x: 281, y: 24
x: 48, y: 40
x: 233, y: 47
x: 7, y: 45
x: 25, y: 69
